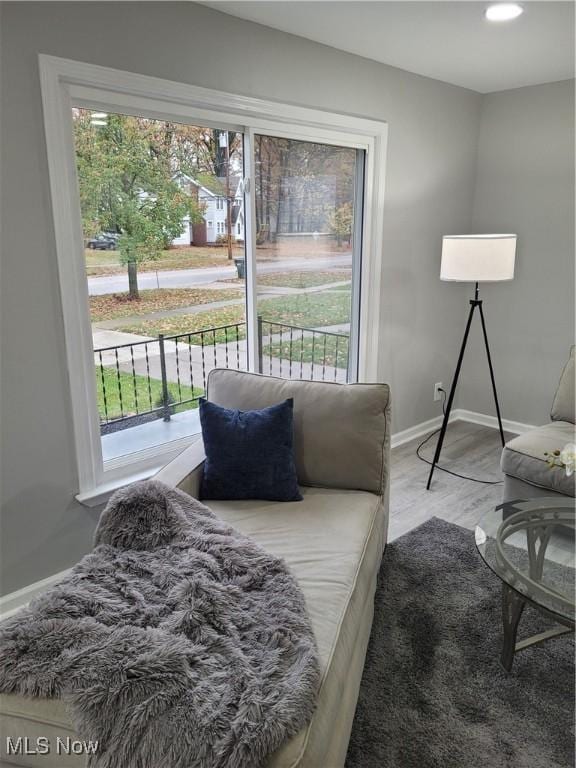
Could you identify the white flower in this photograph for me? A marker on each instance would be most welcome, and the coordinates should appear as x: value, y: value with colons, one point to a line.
x: 568, y: 458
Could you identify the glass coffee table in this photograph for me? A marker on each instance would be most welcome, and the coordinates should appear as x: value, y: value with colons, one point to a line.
x: 530, y: 546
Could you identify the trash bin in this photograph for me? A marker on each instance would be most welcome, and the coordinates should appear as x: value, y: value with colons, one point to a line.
x: 240, y: 267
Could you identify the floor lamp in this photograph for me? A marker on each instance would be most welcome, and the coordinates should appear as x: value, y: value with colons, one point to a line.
x: 474, y: 259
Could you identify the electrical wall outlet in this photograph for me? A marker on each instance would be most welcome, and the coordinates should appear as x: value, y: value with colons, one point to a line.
x: 438, y: 389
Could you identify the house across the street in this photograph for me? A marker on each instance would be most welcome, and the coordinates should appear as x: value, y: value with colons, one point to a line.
x: 215, y: 215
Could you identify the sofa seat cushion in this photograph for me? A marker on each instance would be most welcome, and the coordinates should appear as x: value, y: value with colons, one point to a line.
x: 524, y: 459
x: 332, y: 541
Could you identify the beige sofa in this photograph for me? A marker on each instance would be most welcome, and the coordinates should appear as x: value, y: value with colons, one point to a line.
x: 333, y: 540
x: 526, y: 472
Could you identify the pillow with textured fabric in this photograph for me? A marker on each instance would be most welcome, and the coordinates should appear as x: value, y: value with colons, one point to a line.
x: 249, y: 454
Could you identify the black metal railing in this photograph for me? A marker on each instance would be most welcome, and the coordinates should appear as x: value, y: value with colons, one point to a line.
x: 144, y: 380
x: 294, y: 352
x: 156, y: 378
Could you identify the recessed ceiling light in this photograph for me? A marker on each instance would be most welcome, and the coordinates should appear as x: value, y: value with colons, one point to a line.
x: 98, y: 122
x: 503, y: 11
x: 99, y: 115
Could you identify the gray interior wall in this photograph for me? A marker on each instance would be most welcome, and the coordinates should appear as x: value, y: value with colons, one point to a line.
x: 429, y: 188
x: 525, y: 184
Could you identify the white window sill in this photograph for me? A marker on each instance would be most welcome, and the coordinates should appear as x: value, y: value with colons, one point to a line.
x: 140, y: 452
x: 101, y: 493
x: 150, y: 436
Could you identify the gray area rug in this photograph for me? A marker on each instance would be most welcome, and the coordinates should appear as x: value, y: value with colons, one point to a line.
x: 433, y: 694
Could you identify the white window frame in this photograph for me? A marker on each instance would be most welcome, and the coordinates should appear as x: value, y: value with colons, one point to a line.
x: 66, y: 83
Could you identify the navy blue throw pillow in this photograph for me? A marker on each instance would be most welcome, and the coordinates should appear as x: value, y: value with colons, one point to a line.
x: 249, y: 454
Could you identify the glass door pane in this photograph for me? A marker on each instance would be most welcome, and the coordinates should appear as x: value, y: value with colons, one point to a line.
x: 163, y: 215
x: 308, y: 219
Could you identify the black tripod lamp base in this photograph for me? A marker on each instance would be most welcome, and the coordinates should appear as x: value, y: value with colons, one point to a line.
x: 475, y: 304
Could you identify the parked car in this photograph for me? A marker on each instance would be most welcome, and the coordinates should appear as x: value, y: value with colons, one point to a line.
x: 106, y: 241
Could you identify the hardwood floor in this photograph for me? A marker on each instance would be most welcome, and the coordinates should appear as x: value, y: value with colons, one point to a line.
x: 469, y: 449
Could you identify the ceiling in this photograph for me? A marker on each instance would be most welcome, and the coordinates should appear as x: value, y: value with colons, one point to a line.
x: 449, y: 41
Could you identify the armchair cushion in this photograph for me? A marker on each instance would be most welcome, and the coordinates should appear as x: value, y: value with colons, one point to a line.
x: 341, y: 431
x: 524, y: 457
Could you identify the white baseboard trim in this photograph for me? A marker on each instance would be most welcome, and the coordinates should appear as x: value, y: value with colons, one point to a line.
x: 13, y: 602
x: 458, y: 414
x: 418, y: 430
x: 516, y: 427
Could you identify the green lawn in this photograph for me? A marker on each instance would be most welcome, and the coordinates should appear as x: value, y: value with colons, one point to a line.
x: 190, y: 323
x: 95, y: 259
x: 108, y: 262
x: 309, y: 310
x: 313, y: 310
x: 135, y: 389
x: 333, y: 352
x: 301, y: 279
x: 113, y: 305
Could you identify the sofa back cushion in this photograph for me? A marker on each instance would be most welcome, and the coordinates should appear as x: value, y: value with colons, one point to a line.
x: 563, y: 406
x: 341, y: 431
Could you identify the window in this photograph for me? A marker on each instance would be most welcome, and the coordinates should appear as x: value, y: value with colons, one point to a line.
x: 312, y: 186
x: 308, y: 211
x: 151, y: 369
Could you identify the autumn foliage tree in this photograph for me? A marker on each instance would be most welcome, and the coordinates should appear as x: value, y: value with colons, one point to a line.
x: 303, y: 187
x: 340, y: 223
x: 126, y: 175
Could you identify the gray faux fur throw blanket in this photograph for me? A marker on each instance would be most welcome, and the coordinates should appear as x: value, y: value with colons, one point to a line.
x: 177, y: 642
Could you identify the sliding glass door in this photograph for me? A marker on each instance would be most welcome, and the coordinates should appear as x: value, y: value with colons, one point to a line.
x: 307, y: 244
x: 175, y: 217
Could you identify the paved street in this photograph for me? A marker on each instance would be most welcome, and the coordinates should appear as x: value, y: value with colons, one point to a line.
x: 190, y: 278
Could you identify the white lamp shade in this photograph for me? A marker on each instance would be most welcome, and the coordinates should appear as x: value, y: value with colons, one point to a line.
x: 478, y: 258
